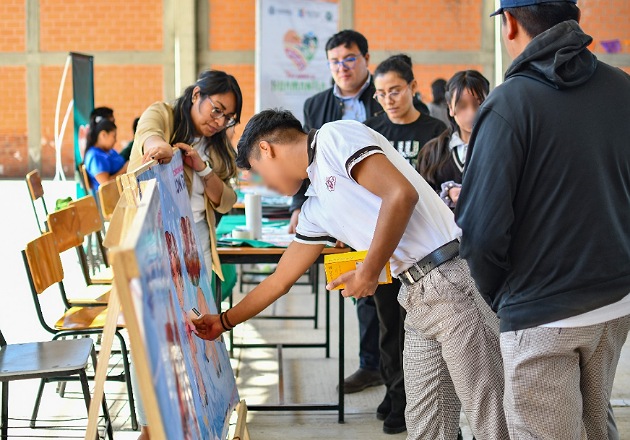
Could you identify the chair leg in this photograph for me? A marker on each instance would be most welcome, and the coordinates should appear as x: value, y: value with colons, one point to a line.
x: 125, y: 358
x: 4, y: 423
x: 61, y: 389
x: 86, y: 393
x: 108, y: 421
x: 38, y: 400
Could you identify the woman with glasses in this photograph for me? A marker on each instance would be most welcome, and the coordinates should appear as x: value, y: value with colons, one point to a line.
x: 401, y: 123
x: 442, y: 160
x: 196, y: 123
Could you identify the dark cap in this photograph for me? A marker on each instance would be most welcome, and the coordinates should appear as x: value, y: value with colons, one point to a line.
x: 520, y: 3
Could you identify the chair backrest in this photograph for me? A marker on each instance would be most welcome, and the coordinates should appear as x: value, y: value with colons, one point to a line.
x: 108, y: 196
x: 84, y: 178
x: 89, y: 218
x: 43, y: 263
x: 65, y: 228
x: 36, y: 191
x: 34, y: 183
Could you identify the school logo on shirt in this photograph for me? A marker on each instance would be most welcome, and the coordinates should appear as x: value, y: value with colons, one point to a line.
x: 330, y: 183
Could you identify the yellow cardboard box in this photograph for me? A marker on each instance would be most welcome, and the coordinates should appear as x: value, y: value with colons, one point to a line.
x: 338, y: 264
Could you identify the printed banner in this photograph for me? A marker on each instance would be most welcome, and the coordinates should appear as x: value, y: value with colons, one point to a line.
x: 292, y: 62
x: 193, y: 378
x: 83, y: 96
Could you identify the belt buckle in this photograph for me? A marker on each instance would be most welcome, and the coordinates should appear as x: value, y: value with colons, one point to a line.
x: 408, y: 277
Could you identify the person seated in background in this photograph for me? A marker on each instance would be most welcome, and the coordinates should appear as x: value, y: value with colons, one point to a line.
x: 441, y: 160
x: 101, y: 113
x: 126, y: 152
x: 102, y: 162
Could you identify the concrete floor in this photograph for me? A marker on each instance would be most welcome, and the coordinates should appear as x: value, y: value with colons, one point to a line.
x: 308, y: 375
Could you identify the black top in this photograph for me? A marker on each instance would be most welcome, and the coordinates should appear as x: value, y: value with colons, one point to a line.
x: 544, y: 205
x: 408, y: 138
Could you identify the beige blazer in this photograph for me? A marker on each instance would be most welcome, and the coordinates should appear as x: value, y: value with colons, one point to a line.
x: 158, y: 120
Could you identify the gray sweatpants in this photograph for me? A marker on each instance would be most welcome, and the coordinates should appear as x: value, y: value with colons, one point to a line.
x: 451, y: 355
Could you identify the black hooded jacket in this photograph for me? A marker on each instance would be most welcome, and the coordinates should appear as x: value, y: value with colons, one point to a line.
x: 545, y: 203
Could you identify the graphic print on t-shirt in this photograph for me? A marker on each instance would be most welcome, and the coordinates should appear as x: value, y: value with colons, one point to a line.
x: 407, y: 149
x: 407, y: 139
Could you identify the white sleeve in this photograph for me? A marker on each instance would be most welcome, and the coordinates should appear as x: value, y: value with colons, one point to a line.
x: 307, y: 230
x: 349, y: 142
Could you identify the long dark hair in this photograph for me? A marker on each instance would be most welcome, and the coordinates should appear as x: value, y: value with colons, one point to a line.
x: 103, y: 124
x: 210, y: 82
x: 438, y: 88
x: 401, y: 64
x: 435, y: 154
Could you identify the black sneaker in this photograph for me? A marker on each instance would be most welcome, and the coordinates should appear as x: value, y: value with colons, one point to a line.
x: 394, y: 424
x: 361, y: 379
x: 384, y: 408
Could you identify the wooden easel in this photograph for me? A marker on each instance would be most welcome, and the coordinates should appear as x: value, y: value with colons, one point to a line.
x: 124, y: 270
x: 240, y: 431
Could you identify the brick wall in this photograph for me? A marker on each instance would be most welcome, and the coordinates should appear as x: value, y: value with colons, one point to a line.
x: 13, y: 123
x: 420, y: 25
x: 230, y: 27
x: 123, y: 28
x: 13, y: 22
x: 112, y: 25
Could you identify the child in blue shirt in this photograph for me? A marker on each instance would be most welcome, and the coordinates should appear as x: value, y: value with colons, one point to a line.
x: 102, y: 162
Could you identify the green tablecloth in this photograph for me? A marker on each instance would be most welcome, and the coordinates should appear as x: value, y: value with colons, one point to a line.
x: 229, y: 222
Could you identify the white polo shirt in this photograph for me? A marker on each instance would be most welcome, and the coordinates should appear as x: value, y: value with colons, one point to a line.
x: 337, y: 206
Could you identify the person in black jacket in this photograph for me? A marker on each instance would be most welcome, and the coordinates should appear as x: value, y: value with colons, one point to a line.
x: 544, y: 215
x: 349, y: 98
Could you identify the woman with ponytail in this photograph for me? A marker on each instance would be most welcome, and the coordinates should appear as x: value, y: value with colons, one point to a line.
x: 441, y: 160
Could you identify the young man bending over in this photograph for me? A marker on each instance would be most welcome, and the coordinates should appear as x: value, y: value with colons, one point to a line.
x: 364, y: 193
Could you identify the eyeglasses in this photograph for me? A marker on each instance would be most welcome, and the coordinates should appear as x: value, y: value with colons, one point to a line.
x: 394, y: 94
x: 347, y: 63
x: 217, y: 113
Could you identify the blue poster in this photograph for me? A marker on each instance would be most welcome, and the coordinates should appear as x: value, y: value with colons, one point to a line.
x: 193, y: 378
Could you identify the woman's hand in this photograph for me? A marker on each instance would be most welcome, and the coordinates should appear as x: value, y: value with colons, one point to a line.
x: 156, y: 148
x: 191, y: 157
x: 208, y: 327
x: 453, y: 193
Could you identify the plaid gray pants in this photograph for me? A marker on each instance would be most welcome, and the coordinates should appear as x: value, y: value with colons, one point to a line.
x: 558, y: 381
x: 451, y: 355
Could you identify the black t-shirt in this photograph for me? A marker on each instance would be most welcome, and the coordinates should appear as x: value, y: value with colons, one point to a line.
x: 408, y: 139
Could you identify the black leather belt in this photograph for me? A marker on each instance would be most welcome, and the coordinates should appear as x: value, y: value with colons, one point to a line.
x: 439, y: 256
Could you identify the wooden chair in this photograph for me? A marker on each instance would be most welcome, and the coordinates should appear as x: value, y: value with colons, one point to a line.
x: 36, y: 191
x: 65, y: 230
x: 108, y: 196
x: 59, y: 360
x: 43, y: 268
x: 91, y: 225
x: 84, y: 178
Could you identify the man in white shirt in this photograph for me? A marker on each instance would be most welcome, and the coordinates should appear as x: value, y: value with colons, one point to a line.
x: 364, y: 193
